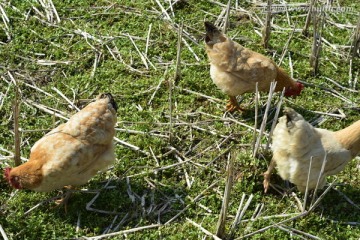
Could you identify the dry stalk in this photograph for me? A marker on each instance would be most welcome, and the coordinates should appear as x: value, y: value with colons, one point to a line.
x: 108, y: 229
x: 139, y: 132
x: 256, y: 114
x: 237, y: 219
x: 226, y: 17
x: 256, y: 214
x: 345, y: 223
x: 307, y: 184
x: 329, y: 90
x: 49, y: 110
x: 92, y: 201
x: 318, y: 180
x: 117, y: 56
x: 17, y: 137
x: 285, y: 49
x: 339, y: 85
x: 177, y: 75
x: 131, y: 146
x: 278, y: 107
x: 269, y: 217
x: 187, y: 178
x: 267, y: 27
x: 317, y: 41
x: 299, y: 215
x: 122, y: 221
x: 203, y: 229
x: 96, y: 63
x: 350, y: 74
x: 193, y: 201
x: 78, y: 223
x: 316, y: 203
x: 156, y: 170
x: 220, y: 228
x: 66, y: 99
x: 202, y: 205
x: 34, y: 87
x: 347, y: 198
x: 239, y: 214
x: 298, y: 202
x: 3, y: 234
x: 170, y: 81
x: 42, y: 202
x: 158, y: 86
x: 164, y: 12
x: 220, y: 18
x: 6, y: 22
x: 211, y: 99
x: 355, y: 46
x: 124, y: 232
x: 226, y: 119
x: 308, y: 18
x: 263, y: 124
x: 139, y: 52
x: 148, y: 39
x: 11, y: 156
x: 297, y: 232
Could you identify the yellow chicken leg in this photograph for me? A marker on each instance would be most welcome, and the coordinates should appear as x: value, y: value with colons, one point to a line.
x: 267, y: 175
x: 233, y: 105
x: 63, y: 201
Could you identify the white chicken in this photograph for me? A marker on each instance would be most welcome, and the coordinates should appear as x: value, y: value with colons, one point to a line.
x: 295, y: 142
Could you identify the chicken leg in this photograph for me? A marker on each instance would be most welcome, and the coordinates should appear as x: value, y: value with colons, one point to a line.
x: 63, y: 201
x: 233, y: 105
x: 267, y: 175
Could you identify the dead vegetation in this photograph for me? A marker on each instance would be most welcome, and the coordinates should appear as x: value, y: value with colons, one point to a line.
x: 178, y: 151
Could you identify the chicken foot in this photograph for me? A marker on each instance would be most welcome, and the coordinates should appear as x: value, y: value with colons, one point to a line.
x: 233, y: 105
x: 63, y: 201
x: 267, y: 175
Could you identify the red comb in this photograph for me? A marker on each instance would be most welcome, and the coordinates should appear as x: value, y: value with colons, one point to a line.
x: 7, y: 173
x: 300, y: 85
x: 294, y: 91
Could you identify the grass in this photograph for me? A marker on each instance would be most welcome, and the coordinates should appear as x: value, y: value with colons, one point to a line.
x: 95, y: 48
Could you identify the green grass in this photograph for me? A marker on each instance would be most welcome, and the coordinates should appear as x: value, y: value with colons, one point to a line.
x: 159, y: 196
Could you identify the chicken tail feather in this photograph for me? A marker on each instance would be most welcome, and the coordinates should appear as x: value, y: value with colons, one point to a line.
x: 291, y: 116
x: 111, y: 100
x: 213, y: 35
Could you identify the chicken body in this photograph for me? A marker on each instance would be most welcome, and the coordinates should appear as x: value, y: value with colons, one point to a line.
x: 295, y: 142
x: 71, y: 153
x: 236, y: 70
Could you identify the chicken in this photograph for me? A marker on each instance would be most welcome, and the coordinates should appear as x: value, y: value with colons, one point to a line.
x: 295, y: 142
x: 73, y: 152
x: 236, y: 70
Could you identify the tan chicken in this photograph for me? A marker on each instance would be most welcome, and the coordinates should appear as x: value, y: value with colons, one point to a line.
x: 236, y: 70
x: 73, y: 152
x: 295, y: 141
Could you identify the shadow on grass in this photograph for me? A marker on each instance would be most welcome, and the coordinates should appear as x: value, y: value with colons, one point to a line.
x: 123, y: 204
x: 341, y: 205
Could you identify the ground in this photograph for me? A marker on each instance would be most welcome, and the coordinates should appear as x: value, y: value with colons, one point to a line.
x: 171, y: 179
